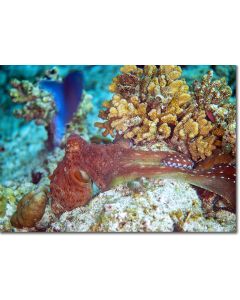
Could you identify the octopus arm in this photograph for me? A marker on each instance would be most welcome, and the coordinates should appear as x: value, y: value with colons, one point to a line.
x: 221, y: 185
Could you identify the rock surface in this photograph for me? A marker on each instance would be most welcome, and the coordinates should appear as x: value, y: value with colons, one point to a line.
x: 156, y: 206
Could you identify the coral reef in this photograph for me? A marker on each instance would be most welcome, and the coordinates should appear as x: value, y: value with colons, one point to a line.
x: 7, y: 73
x: 229, y: 72
x: 55, y: 103
x: 30, y: 209
x: 67, y: 94
x: 38, y: 105
x: 166, y: 161
x: 146, y: 102
x: 192, y: 73
x: 212, y: 97
x: 155, y: 104
x: 209, y: 92
x: 109, y: 165
x: 206, y: 125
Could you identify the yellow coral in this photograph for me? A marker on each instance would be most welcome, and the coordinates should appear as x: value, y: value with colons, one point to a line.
x: 198, y: 134
x: 165, y: 130
x: 202, y: 147
x: 154, y: 103
x: 128, y: 69
x: 211, y: 92
x: 169, y: 119
x: 144, y: 100
x: 191, y: 128
x: 205, y: 126
x: 183, y: 128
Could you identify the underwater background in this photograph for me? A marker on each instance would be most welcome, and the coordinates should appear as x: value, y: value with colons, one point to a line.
x: 27, y: 157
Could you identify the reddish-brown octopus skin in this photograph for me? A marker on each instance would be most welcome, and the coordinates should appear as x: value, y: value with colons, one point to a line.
x: 71, y: 181
x: 70, y: 187
x: 107, y: 165
x: 104, y: 162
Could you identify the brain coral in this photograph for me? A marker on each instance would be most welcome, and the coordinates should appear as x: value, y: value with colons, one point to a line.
x: 154, y: 103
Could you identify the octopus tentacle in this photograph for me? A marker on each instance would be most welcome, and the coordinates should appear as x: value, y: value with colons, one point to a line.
x: 108, y: 165
x: 211, y: 180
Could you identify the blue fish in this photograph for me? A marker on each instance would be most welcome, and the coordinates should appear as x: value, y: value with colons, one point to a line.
x: 67, y: 96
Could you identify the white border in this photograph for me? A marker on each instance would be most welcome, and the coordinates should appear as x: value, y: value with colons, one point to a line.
x: 147, y: 266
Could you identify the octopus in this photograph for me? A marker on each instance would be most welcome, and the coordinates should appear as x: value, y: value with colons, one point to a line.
x: 108, y: 165
x: 70, y: 186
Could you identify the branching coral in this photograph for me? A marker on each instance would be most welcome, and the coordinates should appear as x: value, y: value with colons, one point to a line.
x: 225, y: 120
x: 194, y: 132
x: 154, y: 104
x: 51, y: 102
x: 38, y: 105
x: 30, y: 209
x: 209, y: 92
x: 109, y: 165
x: 212, y: 98
x: 146, y: 102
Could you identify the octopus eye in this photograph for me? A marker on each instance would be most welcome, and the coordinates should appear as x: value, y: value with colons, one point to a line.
x: 84, y: 175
